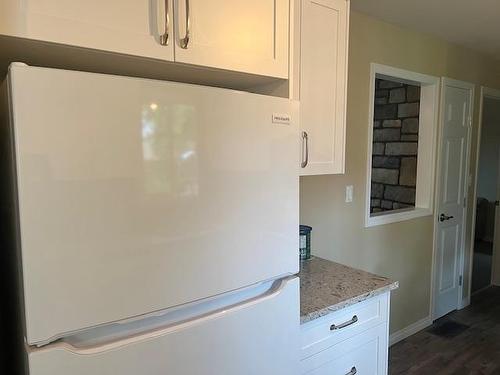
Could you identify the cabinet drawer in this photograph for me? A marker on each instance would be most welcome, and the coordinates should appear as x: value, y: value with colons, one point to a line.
x: 364, y: 354
x: 338, y: 326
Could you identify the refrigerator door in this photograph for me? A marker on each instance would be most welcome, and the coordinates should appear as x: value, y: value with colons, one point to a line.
x: 138, y: 195
x: 254, y: 337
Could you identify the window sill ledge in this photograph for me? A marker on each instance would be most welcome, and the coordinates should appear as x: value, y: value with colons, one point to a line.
x: 396, y: 216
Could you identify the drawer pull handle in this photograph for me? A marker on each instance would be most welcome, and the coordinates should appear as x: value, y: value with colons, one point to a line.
x: 334, y: 327
x: 353, y: 371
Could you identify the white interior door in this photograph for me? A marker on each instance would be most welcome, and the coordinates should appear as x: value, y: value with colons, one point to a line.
x: 241, y: 35
x: 456, y: 124
x: 138, y: 195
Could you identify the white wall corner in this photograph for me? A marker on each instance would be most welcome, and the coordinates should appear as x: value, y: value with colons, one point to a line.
x: 410, y: 330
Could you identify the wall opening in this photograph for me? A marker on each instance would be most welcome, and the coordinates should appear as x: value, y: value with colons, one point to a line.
x: 395, y: 146
x: 401, y: 145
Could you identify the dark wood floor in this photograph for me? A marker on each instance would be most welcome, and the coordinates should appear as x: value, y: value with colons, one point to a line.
x: 476, y: 350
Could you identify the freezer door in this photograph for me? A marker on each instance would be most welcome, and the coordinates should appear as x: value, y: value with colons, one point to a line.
x: 137, y: 195
x: 256, y: 337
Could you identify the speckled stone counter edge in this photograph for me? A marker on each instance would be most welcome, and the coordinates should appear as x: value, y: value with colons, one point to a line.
x: 343, y: 304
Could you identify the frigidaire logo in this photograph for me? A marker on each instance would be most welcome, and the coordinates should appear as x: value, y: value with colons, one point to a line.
x: 281, y: 119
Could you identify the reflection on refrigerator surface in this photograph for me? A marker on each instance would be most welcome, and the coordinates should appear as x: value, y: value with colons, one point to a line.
x: 169, y: 147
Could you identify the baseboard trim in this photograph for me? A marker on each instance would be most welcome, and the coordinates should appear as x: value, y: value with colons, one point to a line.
x: 410, y: 330
x: 482, y: 289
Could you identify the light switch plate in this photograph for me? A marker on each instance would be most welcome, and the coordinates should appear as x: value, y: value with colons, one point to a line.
x: 349, y: 192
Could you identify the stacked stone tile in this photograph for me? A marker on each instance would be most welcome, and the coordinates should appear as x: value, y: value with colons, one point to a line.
x: 395, y: 144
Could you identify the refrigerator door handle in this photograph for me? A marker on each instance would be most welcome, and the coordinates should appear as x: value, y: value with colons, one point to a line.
x: 92, y: 349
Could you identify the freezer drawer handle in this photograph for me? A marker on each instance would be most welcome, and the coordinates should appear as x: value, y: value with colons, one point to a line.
x: 164, y: 36
x: 275, y: 289
x: 353, y: 371
x: 334, y: 327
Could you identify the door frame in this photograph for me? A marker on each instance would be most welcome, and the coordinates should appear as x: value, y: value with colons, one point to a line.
x: 461, y: 302
x: 496, y: 235
x: 485, y: 92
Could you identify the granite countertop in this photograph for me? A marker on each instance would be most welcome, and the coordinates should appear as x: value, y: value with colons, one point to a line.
x: 326, y: 286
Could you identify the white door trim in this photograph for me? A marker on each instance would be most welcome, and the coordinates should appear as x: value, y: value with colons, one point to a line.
x: 485, y: 92
x: 494, y: 280
x: 461, y: 303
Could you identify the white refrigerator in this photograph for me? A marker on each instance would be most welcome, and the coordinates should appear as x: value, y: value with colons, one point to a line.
x: 157, y: 225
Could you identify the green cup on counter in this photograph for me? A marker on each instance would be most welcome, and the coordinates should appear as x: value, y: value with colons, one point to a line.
x: 305, y: 242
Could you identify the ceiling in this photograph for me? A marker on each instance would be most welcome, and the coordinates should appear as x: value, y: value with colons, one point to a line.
x: 471, y: 23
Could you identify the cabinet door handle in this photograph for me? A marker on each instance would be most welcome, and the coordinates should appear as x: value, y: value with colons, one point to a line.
x: 164, y: 37
x: 305, y: 149
x: 353, y: 371
x: 334, y: 327
x: 185, y: 41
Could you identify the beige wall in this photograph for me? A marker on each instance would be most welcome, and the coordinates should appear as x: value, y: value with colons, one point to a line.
x: 402, y: 251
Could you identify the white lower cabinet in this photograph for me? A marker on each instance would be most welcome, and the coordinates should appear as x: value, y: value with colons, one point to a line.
x: 362, y: 354
x: 349, y: 341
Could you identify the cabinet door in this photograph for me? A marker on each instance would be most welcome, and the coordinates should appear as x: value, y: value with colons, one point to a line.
x: 239, y: 35
x: 125, y: 26
x: 323, y: 82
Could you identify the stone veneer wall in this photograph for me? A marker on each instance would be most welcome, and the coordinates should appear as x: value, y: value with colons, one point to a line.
x: 395, y: 143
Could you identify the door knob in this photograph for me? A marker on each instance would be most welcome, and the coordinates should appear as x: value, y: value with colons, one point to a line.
x: 444, y: 217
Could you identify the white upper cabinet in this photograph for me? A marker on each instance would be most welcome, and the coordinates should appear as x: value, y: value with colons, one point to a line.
x: 237, y: 35
x: 241, y: 35
x: 323, y: 85
x: 132, y: 27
